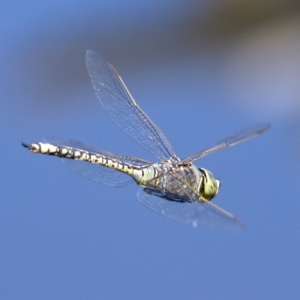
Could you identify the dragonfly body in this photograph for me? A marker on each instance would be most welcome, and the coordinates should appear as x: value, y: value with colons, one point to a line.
x: 174, y: 188
x: 157, y: 179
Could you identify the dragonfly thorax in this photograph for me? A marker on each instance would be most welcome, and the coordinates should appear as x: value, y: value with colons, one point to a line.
x: 208, y: 186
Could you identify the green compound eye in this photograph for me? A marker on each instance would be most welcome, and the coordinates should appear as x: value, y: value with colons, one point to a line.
x: 210, y: 185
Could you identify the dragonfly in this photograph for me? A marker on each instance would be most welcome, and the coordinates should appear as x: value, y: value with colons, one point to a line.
x: 172, y: 187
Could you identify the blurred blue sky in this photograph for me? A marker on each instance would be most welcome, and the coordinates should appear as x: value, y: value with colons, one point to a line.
x: 201, y: 71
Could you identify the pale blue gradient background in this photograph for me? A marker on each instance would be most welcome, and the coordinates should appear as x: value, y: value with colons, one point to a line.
x: 201, y: 72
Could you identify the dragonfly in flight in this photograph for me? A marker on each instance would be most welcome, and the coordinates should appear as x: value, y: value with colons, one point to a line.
x: 172, y: 187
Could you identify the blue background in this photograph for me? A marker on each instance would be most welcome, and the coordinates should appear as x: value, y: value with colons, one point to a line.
x: 201, y: 71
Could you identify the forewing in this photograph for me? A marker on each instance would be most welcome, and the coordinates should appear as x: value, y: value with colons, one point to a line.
x: 194, y: 212
x: 123, y: 110
x: 232, y: 140
x: 180, y: 212
x: 95, y: 172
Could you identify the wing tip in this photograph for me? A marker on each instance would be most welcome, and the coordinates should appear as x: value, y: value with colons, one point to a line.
x: 264, y: 127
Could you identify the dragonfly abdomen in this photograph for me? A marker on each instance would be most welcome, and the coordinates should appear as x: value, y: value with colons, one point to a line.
x: 83, y: 155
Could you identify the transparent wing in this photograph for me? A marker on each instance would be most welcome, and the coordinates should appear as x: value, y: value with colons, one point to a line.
x: 203, y: 213
x: 238, y: 137
x: 195, y: 213
x: 95, y: 172
x: 123, y: 110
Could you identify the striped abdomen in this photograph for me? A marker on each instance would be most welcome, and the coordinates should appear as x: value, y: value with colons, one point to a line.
x: 141, y: 174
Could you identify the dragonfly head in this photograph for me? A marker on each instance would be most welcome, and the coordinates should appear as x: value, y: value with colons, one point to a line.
x: 209, y: 186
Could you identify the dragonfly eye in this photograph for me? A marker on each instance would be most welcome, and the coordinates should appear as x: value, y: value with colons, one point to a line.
x: 210, y: 186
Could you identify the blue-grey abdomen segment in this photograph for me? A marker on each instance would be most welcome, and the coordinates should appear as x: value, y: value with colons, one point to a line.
x: 144, y: 174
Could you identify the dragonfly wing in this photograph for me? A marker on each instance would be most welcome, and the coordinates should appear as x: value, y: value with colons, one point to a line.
x: 232, y: 140
x: 194, y: 212
x: 95, y: 172
x: 123, y: 110
x: 180, y: 212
